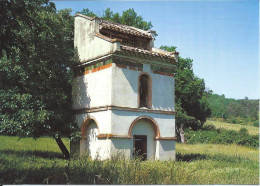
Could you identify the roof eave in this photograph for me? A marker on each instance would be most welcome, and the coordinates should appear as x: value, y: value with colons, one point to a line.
x: 132, y: 54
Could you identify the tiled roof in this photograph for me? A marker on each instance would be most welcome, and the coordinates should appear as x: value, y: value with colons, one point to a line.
x: 155, y: 53
x: 125, y: 29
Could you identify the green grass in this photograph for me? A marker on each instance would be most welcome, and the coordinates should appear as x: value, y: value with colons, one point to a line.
x: 40, y: 162
x: 251, y: 129
x: 44, y: 144
x: 219, y: 149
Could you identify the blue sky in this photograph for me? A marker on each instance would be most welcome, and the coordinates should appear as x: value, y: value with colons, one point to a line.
x: 222, y: 37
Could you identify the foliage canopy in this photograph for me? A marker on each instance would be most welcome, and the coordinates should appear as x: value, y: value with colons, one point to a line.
x: 35, y: 70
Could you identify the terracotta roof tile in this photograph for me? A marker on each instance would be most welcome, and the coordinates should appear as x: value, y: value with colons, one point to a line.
x: 156, y: 52
x: 125, y: 29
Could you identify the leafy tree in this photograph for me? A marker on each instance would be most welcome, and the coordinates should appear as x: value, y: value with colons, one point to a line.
x: 35, y: 71
x: 108, y: 14
x: 87, y: 12
x: 168, y: 48
x: 190, y: 95
x: 130, y: 17
x: 11, y: 11
x: 116, y: 18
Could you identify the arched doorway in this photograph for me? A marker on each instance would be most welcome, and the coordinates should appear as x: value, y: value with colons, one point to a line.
x: 144, y: 131
x: 89, y: 141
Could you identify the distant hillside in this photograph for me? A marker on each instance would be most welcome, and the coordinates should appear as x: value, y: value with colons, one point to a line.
x: 234, y: 111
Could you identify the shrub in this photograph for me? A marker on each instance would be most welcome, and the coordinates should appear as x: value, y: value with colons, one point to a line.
x: 209, y: 134
x: 233, y: 120
x: 256, y: 123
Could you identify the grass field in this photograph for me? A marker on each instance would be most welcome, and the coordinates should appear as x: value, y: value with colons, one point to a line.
x: 251, y: 129
x: 219, y: 149
x: 40, y: 162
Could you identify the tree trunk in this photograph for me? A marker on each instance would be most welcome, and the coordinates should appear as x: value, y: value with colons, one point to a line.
x: 62, y: 147
x: 182, y: 134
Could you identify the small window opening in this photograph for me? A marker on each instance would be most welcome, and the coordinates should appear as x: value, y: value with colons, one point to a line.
x: 144, y: 91
x: 140, y: 147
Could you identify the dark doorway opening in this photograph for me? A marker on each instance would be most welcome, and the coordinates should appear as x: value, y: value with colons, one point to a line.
x: 140, y: 146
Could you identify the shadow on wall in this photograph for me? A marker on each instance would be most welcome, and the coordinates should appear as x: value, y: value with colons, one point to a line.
x: 132, y: 82
x: 167, y: 145
x: 122, y: 144
x: 80, y: 96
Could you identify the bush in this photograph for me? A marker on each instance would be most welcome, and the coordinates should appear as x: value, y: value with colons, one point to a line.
x: 256, y: 123
x: 233, y: 120
x: 237, y: 120
x: 209, y: 134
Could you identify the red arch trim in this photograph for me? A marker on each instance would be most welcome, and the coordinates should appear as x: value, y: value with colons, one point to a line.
x: 152, y: 121
x: 85, y: 125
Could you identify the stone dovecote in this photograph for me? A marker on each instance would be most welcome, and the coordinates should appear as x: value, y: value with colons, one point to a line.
x: 123, y: 92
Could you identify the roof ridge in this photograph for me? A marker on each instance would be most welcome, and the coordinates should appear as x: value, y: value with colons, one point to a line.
x: 149, y: 52
x: 125, y: 29
x: 139, y: 29
x: 87, y: 17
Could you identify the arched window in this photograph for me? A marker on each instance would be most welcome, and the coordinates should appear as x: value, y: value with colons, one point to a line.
x: 145, y: 92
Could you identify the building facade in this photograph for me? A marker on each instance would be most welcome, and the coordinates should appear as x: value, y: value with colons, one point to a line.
x: 123, y: 92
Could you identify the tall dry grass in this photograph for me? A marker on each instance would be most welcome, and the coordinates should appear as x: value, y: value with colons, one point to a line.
x: 28, y: 163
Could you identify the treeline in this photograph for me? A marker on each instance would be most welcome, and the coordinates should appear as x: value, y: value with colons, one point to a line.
x: 234, y: 111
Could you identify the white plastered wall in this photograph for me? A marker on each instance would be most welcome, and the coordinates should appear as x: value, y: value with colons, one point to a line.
x: 163, y: 92
x: 119, y: 87
x: 118, y: 123
x: 87, y: 44
x: 102, y: 120
x: 125, y: 89
x: 164, y: 149
x: 121, y: 148
x: 92, y: 90
x: 122, y: 120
